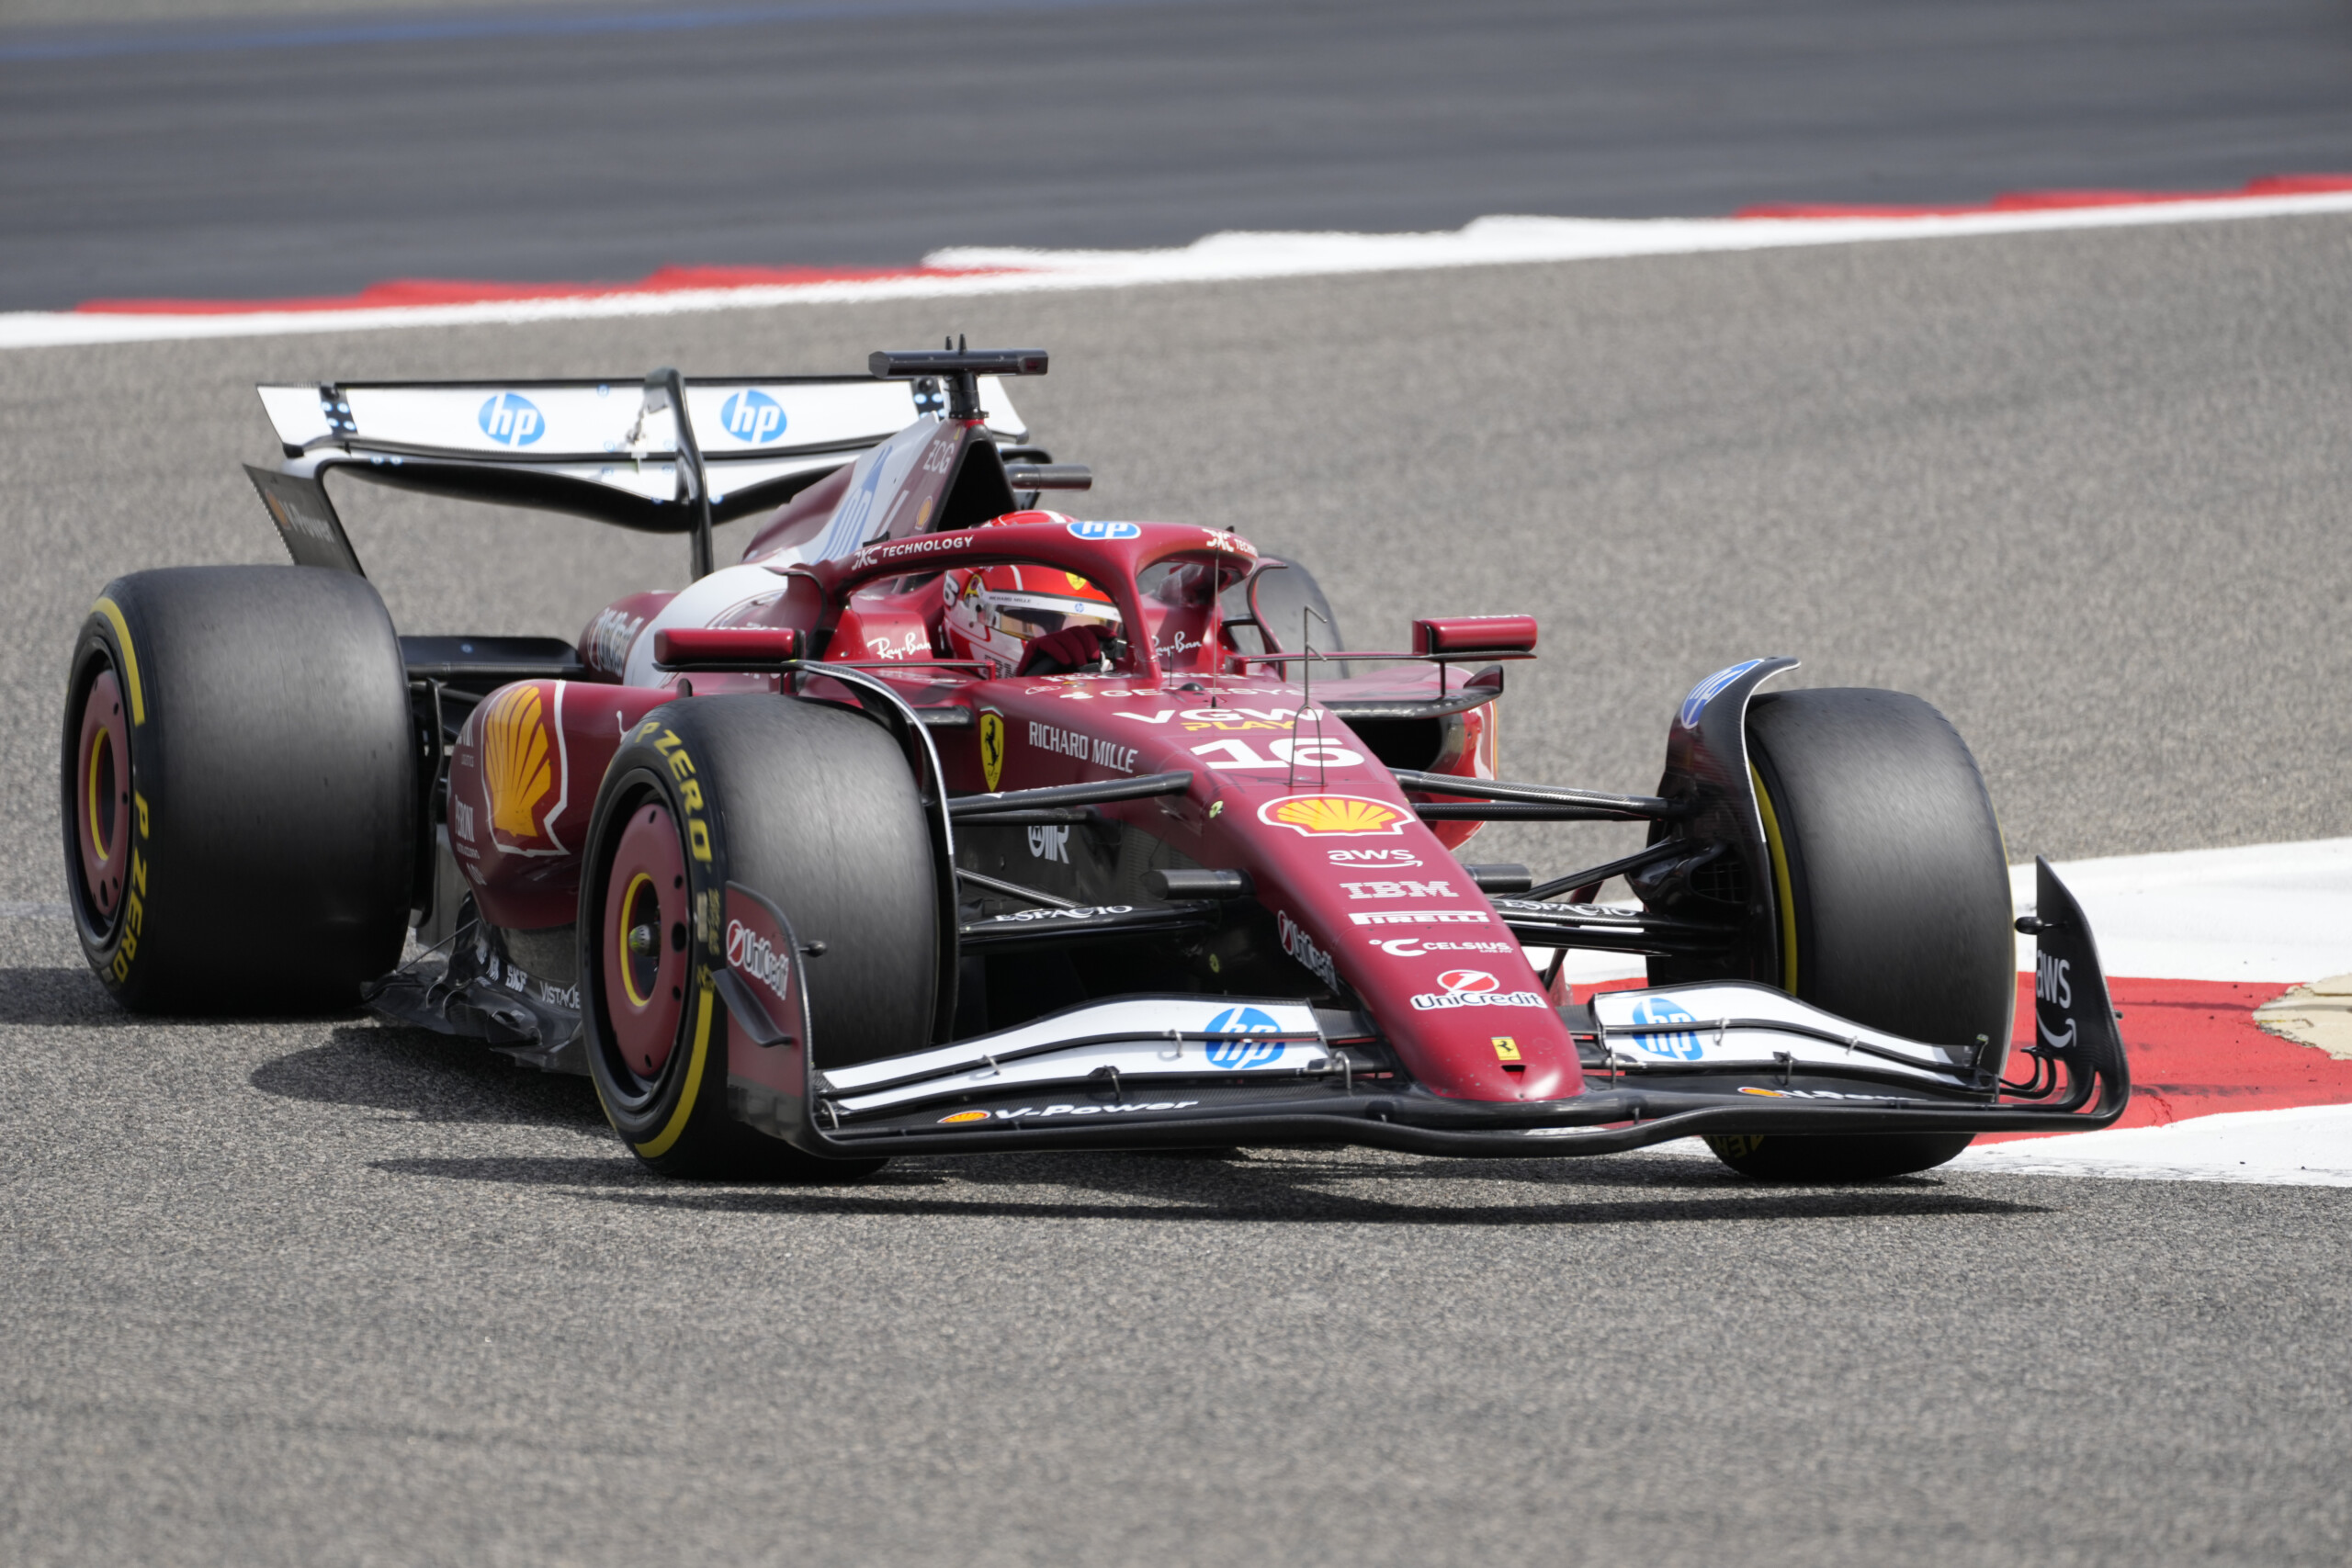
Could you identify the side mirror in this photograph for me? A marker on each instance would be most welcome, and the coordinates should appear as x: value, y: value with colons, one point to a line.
x: 1475, y: 636
x: 1261, y: 615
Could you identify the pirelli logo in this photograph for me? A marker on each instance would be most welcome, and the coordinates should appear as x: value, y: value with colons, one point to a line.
x: 1422, y: 918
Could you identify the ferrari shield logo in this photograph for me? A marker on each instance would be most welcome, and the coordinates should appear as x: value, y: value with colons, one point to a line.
x: 991, y: 747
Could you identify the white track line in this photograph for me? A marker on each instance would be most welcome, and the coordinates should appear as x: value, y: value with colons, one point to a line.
x: 1487, y: 242
x: 2270, y: 914
x: 2274, y: 913
x: 2304, y: 1147
x: 2257, y: 914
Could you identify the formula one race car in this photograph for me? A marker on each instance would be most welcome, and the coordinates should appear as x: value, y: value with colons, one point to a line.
x: 944, y: 824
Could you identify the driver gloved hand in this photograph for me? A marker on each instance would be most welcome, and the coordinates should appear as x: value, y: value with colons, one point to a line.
x: 1056, y: 652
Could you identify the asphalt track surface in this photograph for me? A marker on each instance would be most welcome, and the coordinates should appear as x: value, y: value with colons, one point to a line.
x: 324, y: 1291
x: 870, y: 133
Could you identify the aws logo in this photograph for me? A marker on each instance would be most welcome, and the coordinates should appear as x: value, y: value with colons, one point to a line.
x: 751, y: 415
x: 512, y: 420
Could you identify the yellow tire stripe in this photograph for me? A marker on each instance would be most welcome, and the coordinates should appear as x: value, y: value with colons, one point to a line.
x: 97, y: 749
x: 1780, y: 890
x: 678, y: 1118
x: 628, y: 978
x: 113, y: 613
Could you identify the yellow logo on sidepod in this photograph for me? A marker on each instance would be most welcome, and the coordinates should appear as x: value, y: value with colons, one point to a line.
x: 1319, y: 816
x: 991, y: 746
x: 514, y: 762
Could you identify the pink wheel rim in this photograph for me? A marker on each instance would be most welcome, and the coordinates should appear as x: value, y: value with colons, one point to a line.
x: 102, y: 797
x: 644, y: 939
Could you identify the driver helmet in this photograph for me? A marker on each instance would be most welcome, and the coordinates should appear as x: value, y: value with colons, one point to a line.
x: 993, y: 613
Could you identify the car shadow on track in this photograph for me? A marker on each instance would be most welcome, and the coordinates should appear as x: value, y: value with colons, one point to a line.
x: 428, y: 1077
x: 61, y: 998
x: 1290, y: 1187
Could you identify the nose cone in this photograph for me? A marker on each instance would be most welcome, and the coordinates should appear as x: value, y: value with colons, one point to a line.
x: 1462, y: 1060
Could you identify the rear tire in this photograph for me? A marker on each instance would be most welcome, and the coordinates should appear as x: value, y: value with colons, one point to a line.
x: 239, y: 790
x: 811, y: 806
x: 1894, y: 897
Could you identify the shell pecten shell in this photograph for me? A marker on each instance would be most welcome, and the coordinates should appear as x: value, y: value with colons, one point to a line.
x: 1318, y: 815
x: 515, y: 760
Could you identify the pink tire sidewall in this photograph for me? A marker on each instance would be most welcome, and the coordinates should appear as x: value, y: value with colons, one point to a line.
x: 644, y: 995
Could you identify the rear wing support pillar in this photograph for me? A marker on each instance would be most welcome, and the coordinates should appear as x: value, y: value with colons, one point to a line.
x: 667, y: 390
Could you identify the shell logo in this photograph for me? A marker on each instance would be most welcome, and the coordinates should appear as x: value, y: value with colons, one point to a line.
x: 516, y: 765
x: 1328, y: 816
x: 963, y: 1116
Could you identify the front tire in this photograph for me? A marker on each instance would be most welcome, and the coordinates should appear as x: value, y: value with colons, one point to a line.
x: 1893, y: 897
x: 814, y: 807
x: 239, y: 790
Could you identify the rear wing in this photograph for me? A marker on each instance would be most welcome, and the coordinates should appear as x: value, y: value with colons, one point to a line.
x: 615, y: 451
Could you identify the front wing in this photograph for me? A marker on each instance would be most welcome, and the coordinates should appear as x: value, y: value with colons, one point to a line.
x: 1143, y: 1072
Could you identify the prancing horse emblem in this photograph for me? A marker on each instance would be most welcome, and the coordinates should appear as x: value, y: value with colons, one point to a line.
x: 992, y: 746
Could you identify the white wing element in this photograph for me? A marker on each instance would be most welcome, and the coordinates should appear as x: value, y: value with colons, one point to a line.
x: 1133, y: 1037
x: 607, y: 449
x: 1733, y: 1024
x: 591, y: 422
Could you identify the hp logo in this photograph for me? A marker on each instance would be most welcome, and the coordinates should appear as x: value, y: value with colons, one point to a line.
x: 1244, y: 1053
x: 1657, y: 1010
x: 512, y: 420
x: 1105, y: 531
x: 751, y: 416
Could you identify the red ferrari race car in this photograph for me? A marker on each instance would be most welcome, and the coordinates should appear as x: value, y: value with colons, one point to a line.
x: 941, y: 823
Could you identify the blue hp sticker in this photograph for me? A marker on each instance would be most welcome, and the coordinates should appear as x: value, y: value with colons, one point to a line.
x: 1244, y: 1053
x: 1657, y: 1010
x: 512, y: 420
x: 751, y: 415
x: 1709, y: 689
x: 1105, y: 531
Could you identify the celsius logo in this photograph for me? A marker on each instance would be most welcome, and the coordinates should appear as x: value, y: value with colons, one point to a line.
x: 1657, y: 1010
x: 512, y: 420
x: 1414, y: 947
x: 1103, y: 531
x: 751, y: 415
x: 1244, y: 1053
